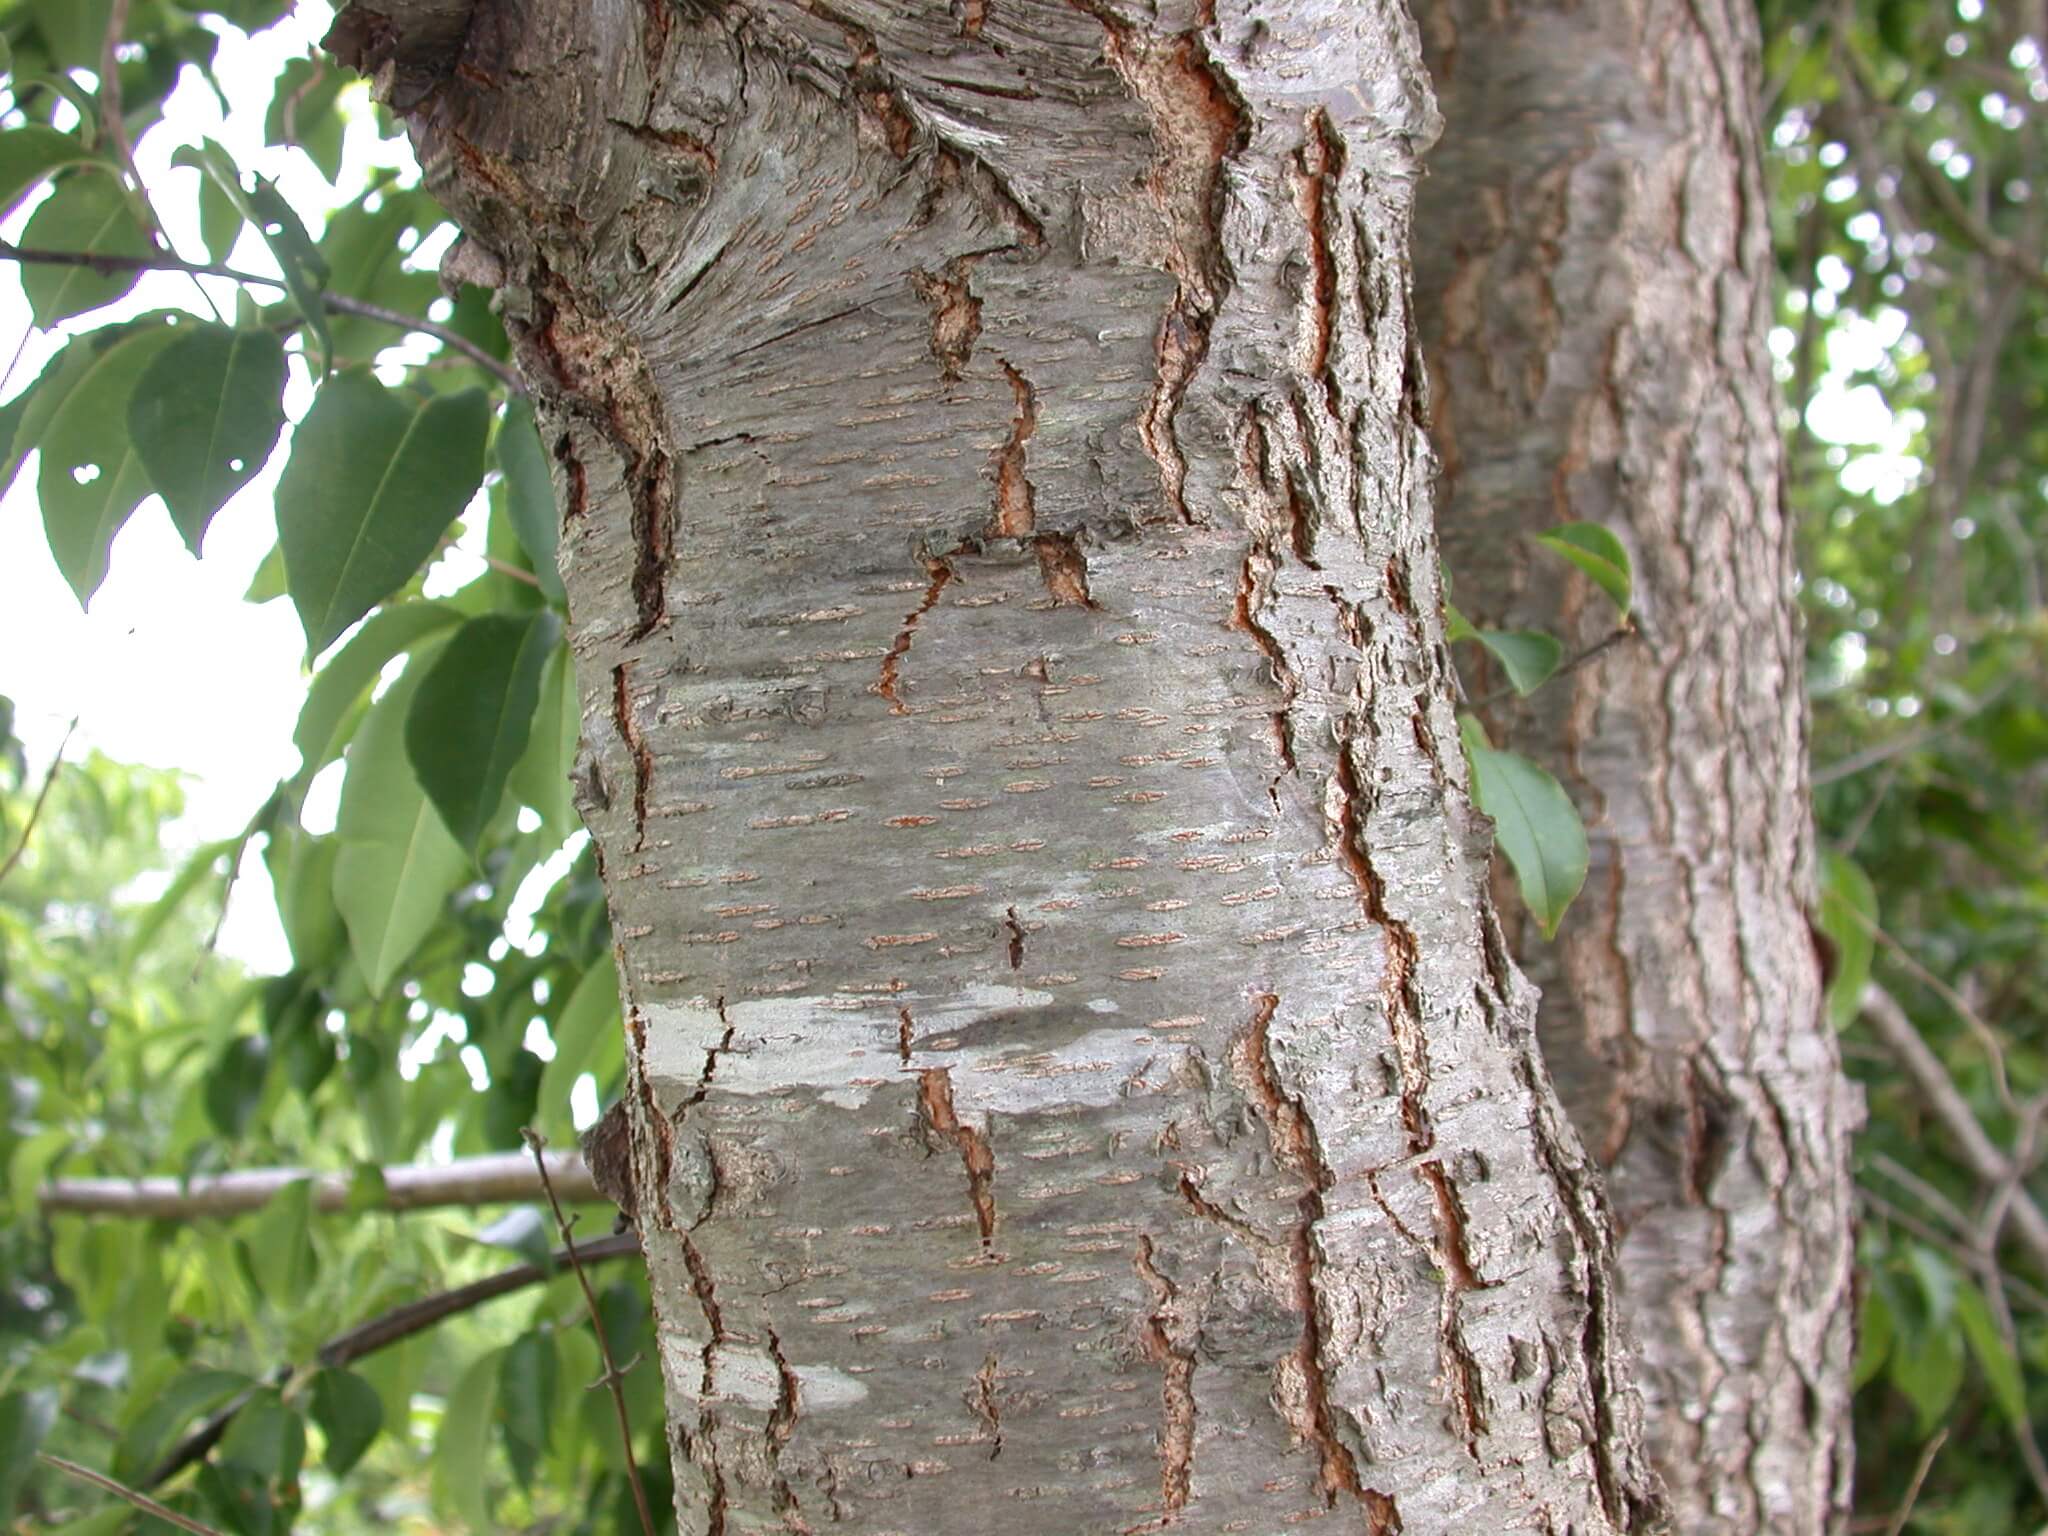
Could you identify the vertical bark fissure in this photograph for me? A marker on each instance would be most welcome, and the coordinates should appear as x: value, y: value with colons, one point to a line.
x: 1595, y: 300
x: 1171, y: 663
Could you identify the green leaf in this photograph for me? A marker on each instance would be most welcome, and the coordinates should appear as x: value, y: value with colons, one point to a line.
x: 25, y: 1418
x: 589, y: 1036
x: 28, y: 156
x: 1599, y: 554
x: 90, y: 214
x: 526, y: 1399
x: 349, y: 1414
x: 297, y: 258
x: 397, y: 863
x: 326, y: 717
x: 1535, y: 824
x: 167, y: 1412
x: 1528, y: 656
x: 293, y: 1012
x: 541, y: 777
x: 235, y: 1085
x: 91, y: 479
x: 470, y: 721
x: 205, y: 415
x: 204, y: 865
x: 361, y: 248
x: 74, y: 29
x: 302, y: 876
x: 267, y: 582
x: 302, y: 112
x: 374, y: 478
x: 1873, y: 1338
x: 1456, y: 626
x: 281, y: 1243
x: 1848, y: 916
x: 2001, y: 1369
x: 461, y: 1449
x: 521, y: 1230
x: 1927, y: 1366
x: 267, y: 1438
x: 530, y: 493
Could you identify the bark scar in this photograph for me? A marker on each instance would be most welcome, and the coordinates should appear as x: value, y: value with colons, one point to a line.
x: 935, y: 1104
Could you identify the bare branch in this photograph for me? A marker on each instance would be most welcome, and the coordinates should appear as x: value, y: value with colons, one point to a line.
x: 339, y: 303
x: 141, y: 1501
x: 1940, y: 1094
x: 35, y: 811
x: 495, y: 1179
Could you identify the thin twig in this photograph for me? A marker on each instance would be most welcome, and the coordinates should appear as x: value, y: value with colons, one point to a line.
x: 1939, y: 1093
x: 141, y: 1501
x: 1870, y: 1202
x: 1986, y: 1036
x: 35, y: 811
x: 1905, y: 1510
x: 1898, y: 746
x: 385, y: 1329
x: 612, y: 1374
x: 1625, y: 630
x: 339, y: 303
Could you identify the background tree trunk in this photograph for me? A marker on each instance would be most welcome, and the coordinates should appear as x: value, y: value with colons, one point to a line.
x: 1594, y: 282
x: 1082, y: 1086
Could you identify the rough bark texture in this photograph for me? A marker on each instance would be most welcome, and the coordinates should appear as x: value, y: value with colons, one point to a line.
x: 1081, y: 1083
x: 1594, y: 282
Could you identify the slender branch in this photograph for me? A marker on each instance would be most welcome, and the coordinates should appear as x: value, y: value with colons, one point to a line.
x: 496, y: 1179
x: 35, y: 811
x: 1625, y: 630
x: 1987, y: 1037
x: 1941, y: 1096
x: 1905, y: 1511
x: 613, y: 1376
x: 1898, y: 746
x: 383, y: 1330
x: 141, y: 1501
x: 339, y: 303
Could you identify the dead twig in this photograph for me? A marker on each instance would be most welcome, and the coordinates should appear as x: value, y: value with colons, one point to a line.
x: 613, y: 1375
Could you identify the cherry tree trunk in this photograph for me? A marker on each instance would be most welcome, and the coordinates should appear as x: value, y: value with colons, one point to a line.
x: 1080, y: 1081
x: 1594, y: 281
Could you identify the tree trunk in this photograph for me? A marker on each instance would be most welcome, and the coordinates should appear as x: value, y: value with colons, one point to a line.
x: 1082, y: 1085
x: 1594, y: 288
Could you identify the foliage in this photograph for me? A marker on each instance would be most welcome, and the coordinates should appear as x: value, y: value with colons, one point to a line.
x: 1908, y: 151
x: 410, y: 1026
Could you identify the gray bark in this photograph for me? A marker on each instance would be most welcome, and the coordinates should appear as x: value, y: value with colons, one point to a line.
x: 1081, y: 1083
x: 1595, y: 290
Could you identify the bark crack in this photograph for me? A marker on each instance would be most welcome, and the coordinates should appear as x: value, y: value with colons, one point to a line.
x: 1293, y: 1141
x: 941, y: 571
x: 636, y: 747
x: 1197, y: 122
x: 935, y: 1104
x: 986, y: 1407
x: 1167, y: 1343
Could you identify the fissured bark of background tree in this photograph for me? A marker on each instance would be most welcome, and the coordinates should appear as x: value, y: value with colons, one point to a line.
x: 1082, y: 1085
x: 1594, y: 289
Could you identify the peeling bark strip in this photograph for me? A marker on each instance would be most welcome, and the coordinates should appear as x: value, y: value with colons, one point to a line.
x: 1006, y: 530
x: 1595, y: 296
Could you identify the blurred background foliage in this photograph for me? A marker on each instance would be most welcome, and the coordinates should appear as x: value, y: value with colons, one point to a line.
x: 1908, y: 152
x: 1905, y: 144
